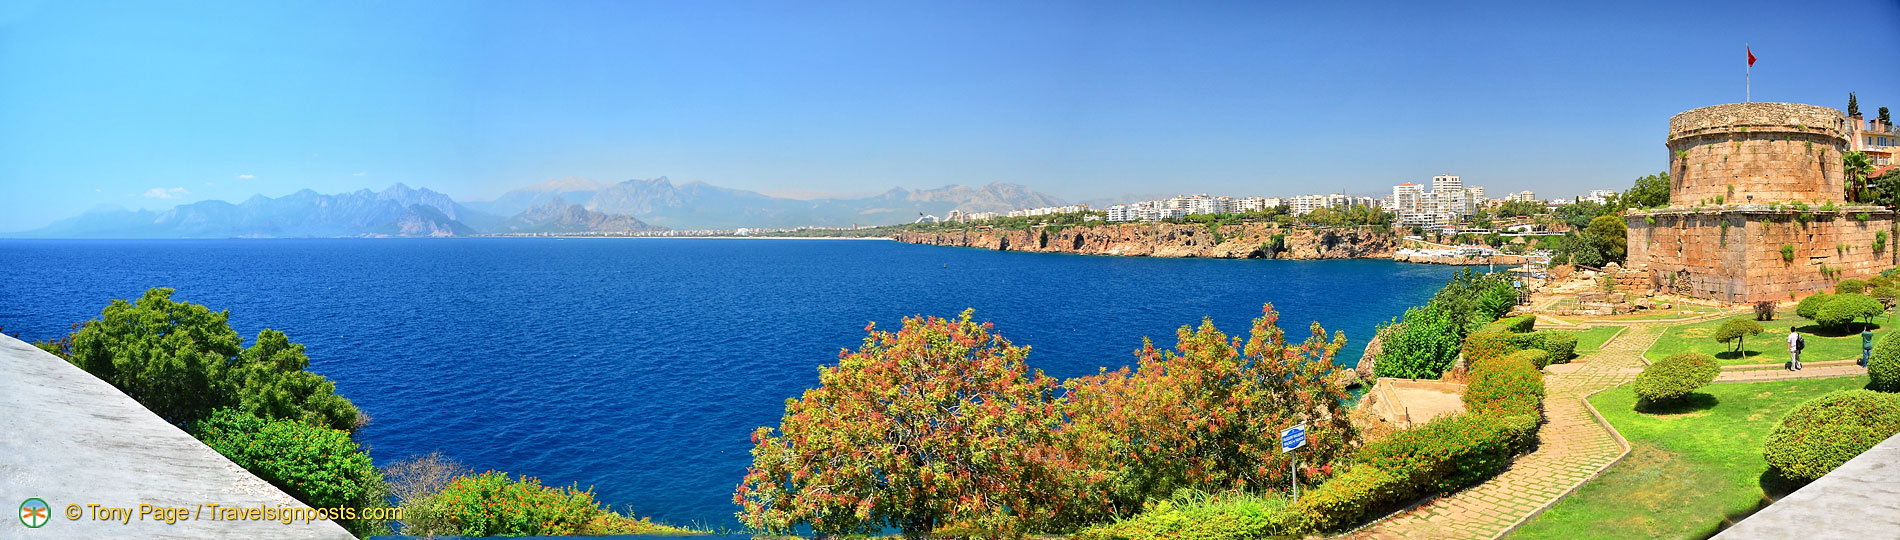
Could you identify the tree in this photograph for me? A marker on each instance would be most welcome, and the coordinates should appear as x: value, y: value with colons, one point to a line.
x: 1604, y: 241
x: 1884, y: 119
x: 1844, y: 309
x: 182, y: 361
x: 1853, y: 105
x: 1855, y: 166
x: 940, y: 423
x: 1734, y: 332
x: 1649, y: 192
x: 1206, y: 415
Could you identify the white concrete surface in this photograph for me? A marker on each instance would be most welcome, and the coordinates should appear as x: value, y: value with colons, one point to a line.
x: 68, y: 438
x: 1859, y: 500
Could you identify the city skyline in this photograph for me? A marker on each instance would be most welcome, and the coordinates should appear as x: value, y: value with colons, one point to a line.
x: 150, y: 106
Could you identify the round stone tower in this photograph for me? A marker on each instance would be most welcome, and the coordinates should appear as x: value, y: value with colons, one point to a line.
x: 1772, y: 152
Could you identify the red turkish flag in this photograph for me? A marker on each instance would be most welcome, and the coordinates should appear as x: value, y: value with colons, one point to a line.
x: 1751, y: 57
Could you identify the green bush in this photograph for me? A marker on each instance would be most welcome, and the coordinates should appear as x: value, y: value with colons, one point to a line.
x: 1845, y: 309
x: 1810, y: 307
x: 1675, y: 377
x: 1512, y: 384
x: 1562, y: 346
x: 1355, y: 494
x: 492, y: 504
x: 1419, y: 347
x: 1879, y: 281
x: 1850, y: 286
x: 320, y: 466
x: 1886, y: 294
x: 1823, y: 433
x: 1452, y: 452
x: 1194, y: 515
x: 1518, y: 325
x: 1735, y: 331
x: 1883, y: 369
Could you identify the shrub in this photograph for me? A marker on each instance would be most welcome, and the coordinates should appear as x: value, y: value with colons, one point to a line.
x: 1474, y: 298
x: 1675, y: 377
x: 1765, y: 310
x: 1735, y: 331
x: 1513, y: 384
x: 1825, y: 432
x: 1879, y: 281
x: 320, y: 466
x: 492, y: 504
x: 1562, y: 346
x: 1787, y: 250
x: 1192, y: 514
x: 1883, y: 369
x: 1519, y: 324
x: 1886, y: 294
x: 1421, y: 346
x: 1844, y: 309
x: 1810, y: 307
x: 1206, y: 416
x: 1849, y: 286
x: 938, y: 423
x: 1451, y: 452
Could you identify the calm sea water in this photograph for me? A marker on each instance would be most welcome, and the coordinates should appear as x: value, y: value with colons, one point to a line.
x: 640, y: 367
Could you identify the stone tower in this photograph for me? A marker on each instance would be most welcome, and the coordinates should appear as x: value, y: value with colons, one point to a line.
x: 1757, y: 207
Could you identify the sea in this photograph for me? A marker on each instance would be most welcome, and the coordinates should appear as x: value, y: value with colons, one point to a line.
x: 640, y: 367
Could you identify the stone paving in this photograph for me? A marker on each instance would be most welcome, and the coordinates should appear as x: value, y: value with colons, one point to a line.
x: 1809, y: 370
x: 1573, y: 447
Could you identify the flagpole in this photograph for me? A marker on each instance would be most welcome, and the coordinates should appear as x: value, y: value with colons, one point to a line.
x: 1748, y: 77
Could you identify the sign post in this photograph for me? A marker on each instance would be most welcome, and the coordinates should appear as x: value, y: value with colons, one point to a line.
x: 1291, y: 439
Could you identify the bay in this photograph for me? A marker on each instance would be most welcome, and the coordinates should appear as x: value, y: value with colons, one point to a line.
x: 641, y: 366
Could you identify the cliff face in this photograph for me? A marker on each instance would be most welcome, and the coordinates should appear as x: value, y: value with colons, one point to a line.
x: 1244, y: 241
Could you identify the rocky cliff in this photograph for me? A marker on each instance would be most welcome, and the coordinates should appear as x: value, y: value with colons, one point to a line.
x: 1243, y: 241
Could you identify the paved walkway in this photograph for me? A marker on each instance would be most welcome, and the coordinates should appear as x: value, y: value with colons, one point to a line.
x: 1573, y: 447
x: 1809, y: 370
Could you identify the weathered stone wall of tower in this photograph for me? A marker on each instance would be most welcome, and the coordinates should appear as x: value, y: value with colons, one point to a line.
x: 1774, y: 152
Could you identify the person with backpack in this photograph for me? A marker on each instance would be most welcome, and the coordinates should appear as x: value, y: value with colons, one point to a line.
x: 1795, y: 344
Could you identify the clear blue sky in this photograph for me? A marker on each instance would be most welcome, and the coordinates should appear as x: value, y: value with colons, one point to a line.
x: 129, y: 103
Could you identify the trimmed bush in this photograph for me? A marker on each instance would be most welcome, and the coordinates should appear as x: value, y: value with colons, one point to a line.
x: 1879, y: 281
x: 1359, y: 492
x: 1850, y: 286
x: 1512, y: 384
x: 1735, y: 331
x: 1192, y: 514
x: 1845, y: 309
x: 1823, y: 433
x: 1811, y: 306
x: 1883, y: 369
x: 1886, y: 294
x: 1518, y: 325
x: 1675, y: 377
x: 320, y: 466
x: 1562, y: 346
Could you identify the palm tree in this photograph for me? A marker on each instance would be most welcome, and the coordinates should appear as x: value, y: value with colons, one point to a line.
x: 1855, y: 166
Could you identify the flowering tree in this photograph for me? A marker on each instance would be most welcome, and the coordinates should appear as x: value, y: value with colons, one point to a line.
x: 937, y: 427
x: 1207, y: 415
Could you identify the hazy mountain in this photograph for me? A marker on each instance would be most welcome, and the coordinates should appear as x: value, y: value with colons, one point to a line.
x: 520, y: 200
x: 557, y: 216
x: 698, y: 205
x: 396, y: 211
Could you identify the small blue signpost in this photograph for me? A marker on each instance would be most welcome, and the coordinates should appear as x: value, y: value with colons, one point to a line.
x: 1292, y: 439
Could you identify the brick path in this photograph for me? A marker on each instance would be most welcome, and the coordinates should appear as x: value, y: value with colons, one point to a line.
x: 1809, y: 370
x: 1573, y: 446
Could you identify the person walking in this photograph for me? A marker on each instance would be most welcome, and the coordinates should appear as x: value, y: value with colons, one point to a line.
x: 1795, y: 344
x: 1866, y: 346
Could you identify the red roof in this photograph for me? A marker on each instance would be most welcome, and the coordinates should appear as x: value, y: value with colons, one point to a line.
x: 1881, y: 171
x: 1408, y: 184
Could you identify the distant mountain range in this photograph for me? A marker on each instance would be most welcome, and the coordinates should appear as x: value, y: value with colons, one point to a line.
x: 566, y: 205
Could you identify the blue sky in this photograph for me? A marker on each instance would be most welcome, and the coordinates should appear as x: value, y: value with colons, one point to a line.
x: 148, y: 105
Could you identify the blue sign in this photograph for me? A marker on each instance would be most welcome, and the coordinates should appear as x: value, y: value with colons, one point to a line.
x: 1293, y: 437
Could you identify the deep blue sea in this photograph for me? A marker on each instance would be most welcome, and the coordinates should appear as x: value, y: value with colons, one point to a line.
x: 641, y: 366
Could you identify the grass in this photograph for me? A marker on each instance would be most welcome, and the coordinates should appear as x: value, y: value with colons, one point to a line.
x: 1692, y: 470
x: 1768, y: 348
x: 1592, y: 340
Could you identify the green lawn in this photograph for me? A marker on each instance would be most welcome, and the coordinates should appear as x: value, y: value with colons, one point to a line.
x: 1592, y: 340
x: 1691, y: 471
x: 1771, y: 347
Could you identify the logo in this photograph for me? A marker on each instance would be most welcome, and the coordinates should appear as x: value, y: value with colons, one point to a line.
x: 34, y: 513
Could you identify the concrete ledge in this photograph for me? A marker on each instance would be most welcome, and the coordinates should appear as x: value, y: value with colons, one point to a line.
x: 68, y: 438
x: 1861, y: 499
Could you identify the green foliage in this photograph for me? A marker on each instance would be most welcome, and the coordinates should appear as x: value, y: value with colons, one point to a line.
x: 1206, y: 416
x: 1810, y: 307
x: 1847, y: 286
x: 182, y: 361
x: 1880, y: 239
x: 492, y: 504
x: 1787, y: 253
x: 1735, y: 331
x: 1883, y: 368
x: 1519, y: 324
x: 1476, y: 298
x: 1193, y: 515
x: 1561, y: 346
x: 1648, y: 192
x: 1513, y: 384
x: 320, y: 466
x: 1824, y: 433
x: 1421, y: 346
x: 937, y: 424
x: 1603, y: 240
x: 1844, y: 309
x: 1675, y: 377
